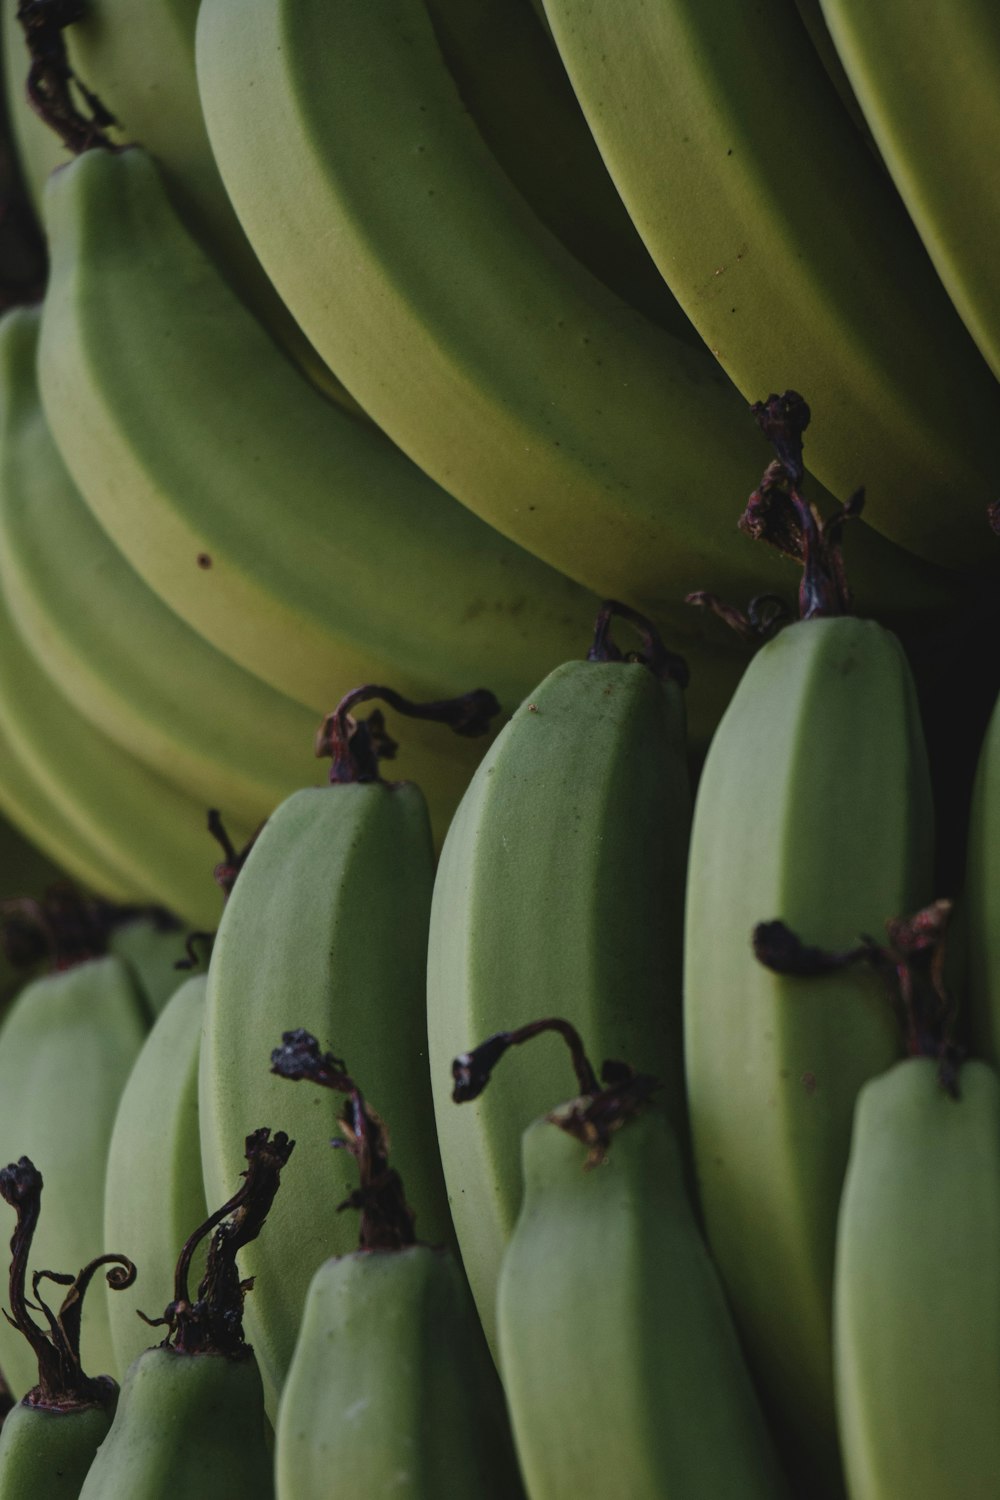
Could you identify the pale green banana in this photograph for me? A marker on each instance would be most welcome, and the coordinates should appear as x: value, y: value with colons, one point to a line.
x: 66, y: 1047
x: 814, y: 808
x: 507, y: 372
x: 153, y: 1190
x: 326, y: 929
x: 152, y: 943
x: 147, y: 828
x: 917, y: 1290
x: 45, y: 1455
x: 560, y: 886
x: 789, y: 250
x: 927, y: 77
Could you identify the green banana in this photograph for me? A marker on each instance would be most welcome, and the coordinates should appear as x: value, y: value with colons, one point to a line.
x: 50, y: 1437
x: 153, y: 1190
x: 502, y: 367
x: 909, y: 64
x: 917, y: 1291
x: 789, y: 249
x: 66, y: 1047
x: 391, y: 1389
x: 190, y: 1418
x: 621, y: 1364
x: 326, y: 927
x: 561, y: 874
x: 982, y: 882
x: 152, y: 943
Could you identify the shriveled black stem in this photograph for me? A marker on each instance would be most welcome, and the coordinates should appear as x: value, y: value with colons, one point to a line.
x: 229, y: 866
x: 387, y: 1221
x: 355, y: 746
x: 667, y: 665
x: 471, y: 1071
x: 64, y: 926
x: 62, y: 1383
x: 213, y: 1322
x: 764, y: 616
x: 52, y: 81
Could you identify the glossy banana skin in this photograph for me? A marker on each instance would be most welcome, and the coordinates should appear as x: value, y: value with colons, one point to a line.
x: 153, y: 1190
x: 326, y: 929
x: 791, y: 253
x: 66, y: 1047
x: 917, y: 1297
x: 620, y: 1359
x: 391, y: 1390
x: 813, y: 807
x: 560, y: 889
x: 908, y: 64
x: 45, y: 1455
x: 186, y: 1424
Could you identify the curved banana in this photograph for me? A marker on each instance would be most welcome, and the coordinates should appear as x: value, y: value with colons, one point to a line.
x: 917, y: 1288
x: 391, y: 1389
x: 66, y: 1047
x: 153, y: 1190
x: 190, y: 1418
x: 561, y: 874
x: 607, y: 1271
x: 152, y: 943
x: 326, y: 928
x: 788, y: 249
x: 909, y: 64
x: 506, y: 371
x: 150, y: 830
x: 814, y: 807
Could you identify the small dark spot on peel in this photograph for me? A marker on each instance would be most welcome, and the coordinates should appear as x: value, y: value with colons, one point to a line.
x: 204, y: 560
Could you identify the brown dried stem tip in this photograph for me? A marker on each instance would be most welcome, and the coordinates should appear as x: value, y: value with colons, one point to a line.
x: 51, y: 80
x: 665, y: 664
x: 356, y: 746
x: 912, y: 964
x: 594, y: 1116
x: 229, y: 866
x: 62, y: 1385
x: 387, y: 1221
x: 64, y: 925
x: 213, y: 1322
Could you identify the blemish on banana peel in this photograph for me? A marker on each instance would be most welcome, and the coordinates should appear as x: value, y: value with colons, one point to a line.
x: 809, y: 1083
x: 204, y: 560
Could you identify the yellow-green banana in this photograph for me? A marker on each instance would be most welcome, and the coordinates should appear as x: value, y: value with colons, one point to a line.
x: 66, y: 1047
x: 621, y: 1364
x: 917, y: 1288
x: 789, y: 250
x: 325, y: 928
x: 153, y: 1190
x: 501, y: 366
x: 50, y: 1437
x: 562, y: 875
x: 910, y: 65
x: 190, y: 1418
x: 391, y: 1390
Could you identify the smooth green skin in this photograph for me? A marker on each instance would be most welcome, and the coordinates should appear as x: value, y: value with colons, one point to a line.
x: 365, y: 572
x: 154, y: 1197
x: 982, y: 885
x: 152, y: 952
x: 620, y: 1360
x: 813, y: 807
x: 326, y: 929
x: 45, y: 1455
x: 188, y: 1425
x: 917, y: 1298
x: 146, y: 827
x: 67, y: 1045
x: 909, y: 65
x: 797, y: 263
x: 392, y: 1391
x: 504, y: 369
x: 560, y: 891
x: 130, y: 665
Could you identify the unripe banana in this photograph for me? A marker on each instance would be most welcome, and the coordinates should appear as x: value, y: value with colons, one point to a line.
x: 153, y: 1190
x: 152, y: 943
x: 917, y: 1291
x: 391, y: 1391
x: 66, y: 1048
x: 620, y: 1360
x: 326, y: 928
x: 190, y: 1419
x: 562, y: 875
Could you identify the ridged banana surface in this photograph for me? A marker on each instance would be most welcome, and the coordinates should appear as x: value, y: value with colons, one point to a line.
x: 813, y: 808
x: 560, y: 891
x: 789, y: 250
x: 917, y: 1301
